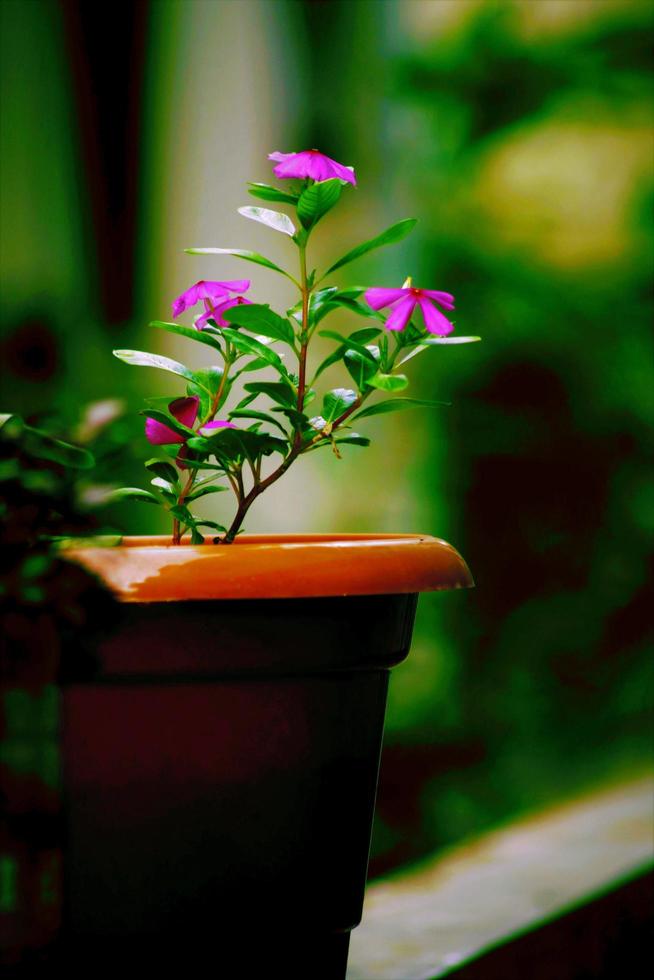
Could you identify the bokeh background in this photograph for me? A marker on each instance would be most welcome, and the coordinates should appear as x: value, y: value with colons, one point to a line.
x: 520, y: 133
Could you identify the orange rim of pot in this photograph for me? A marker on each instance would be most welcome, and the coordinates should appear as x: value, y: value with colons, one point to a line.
x: 275, y: 566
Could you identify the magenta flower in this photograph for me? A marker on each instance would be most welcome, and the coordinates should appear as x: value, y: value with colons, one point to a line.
x: 210, y: 292
x: 210, y: 427
x: 185, y: 410
x: 312, y: 164
x: 214, y: 312
x: 404, y: 301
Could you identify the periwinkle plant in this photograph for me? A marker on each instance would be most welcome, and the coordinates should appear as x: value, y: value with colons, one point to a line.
x: 207, y: 454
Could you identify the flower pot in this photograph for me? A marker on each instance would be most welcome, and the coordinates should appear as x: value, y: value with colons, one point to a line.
x: 221, y: 747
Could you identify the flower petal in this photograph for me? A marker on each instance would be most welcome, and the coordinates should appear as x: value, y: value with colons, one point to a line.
x: 185, y: 410
x: 210, y: 427
x: 401, y: 314
x: 159, y: 434
x: 208, y: 289
x: 310, y: 163
x: 379, y: 296
x: 435, y: 322
x: 445, y: 299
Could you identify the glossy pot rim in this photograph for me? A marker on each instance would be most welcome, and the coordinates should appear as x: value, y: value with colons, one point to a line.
x: 275, y: 566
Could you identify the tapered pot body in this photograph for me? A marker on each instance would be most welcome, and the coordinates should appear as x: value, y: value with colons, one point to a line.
x: 220, y: 762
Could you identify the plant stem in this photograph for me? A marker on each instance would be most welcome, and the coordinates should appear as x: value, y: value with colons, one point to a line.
x: 260, y: 485
x: 215, y: 404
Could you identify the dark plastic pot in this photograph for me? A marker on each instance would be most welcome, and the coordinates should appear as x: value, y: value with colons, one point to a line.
x: 221, y: 754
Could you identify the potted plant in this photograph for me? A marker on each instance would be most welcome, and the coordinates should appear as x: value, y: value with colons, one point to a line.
x: 221, y: 743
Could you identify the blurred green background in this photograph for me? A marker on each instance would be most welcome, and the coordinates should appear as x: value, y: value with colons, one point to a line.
x: 520, y: 133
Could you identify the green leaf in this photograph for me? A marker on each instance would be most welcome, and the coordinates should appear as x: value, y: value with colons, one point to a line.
x: 203, y: 491
x: 165, y: 486
x: 365, y: 335
x: 14, y: 424
x: 349, y: 343
x: 393, y: 405
x: 258, y: 364
x: 260, y: 318
x: 267, y: 193
x: 235, y: 444
x: 249, y: 345
x: 273, y: 219
x: 361, y: 309
x: 352, y: 439
x: 139, y: 358
x: 336, y: 402
x: 249, y: 413
x: 205, y: 386
x: 337, y: 355
x: 241, y: 253
x: 389, y: 382
x: 360, y: 368
x: 317, y: 200
x: 212, y: 524
x: 433, y: 341
x: 182, y: 513
x: 395, y: 233
x: 134, y: 493
x: 192, y: 333
x: 280, y: 391
x: 298, y: 419
x: 196, y: 537
x: 169, y: 420
x: 160, y: 468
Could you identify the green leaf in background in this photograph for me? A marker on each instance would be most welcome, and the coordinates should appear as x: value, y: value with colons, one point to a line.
x: 267, y: 193
x: 134, y: 493
x: 273, y: 219
x: 259, y: 318
x: 191, y: 333
x: 395, y: 233
x: 317, y: 200
x: 241, y: 253
x: 336, y: 402
x: 281, y: 392
x: 139, y: 358
x: 393, y: 405
x: 389, y: 382
x: 248, y: 345
x: 44, y: 446
x: 160, y: 468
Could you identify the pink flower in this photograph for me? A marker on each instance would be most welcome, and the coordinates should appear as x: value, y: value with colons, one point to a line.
x: 185, y: 410
x: 211, y: 293
x: 404, y: 301
x: 312, y: 164
x: 214, y: 312
x: 209, y: 428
